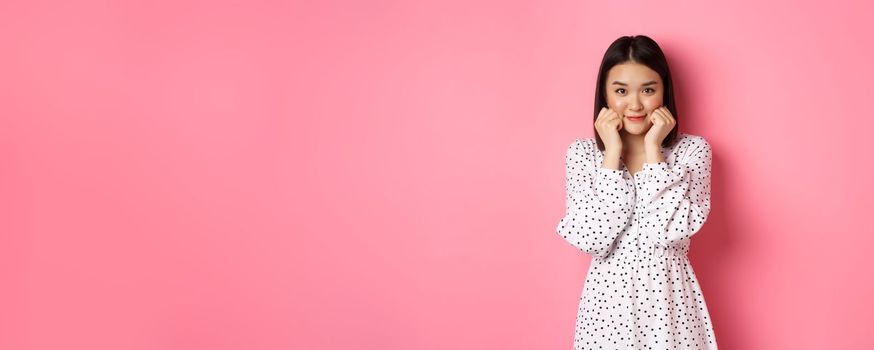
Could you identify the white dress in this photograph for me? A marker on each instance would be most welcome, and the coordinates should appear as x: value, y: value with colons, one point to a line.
x: 640, y: 291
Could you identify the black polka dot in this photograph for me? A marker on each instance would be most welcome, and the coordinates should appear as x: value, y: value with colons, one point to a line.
x: 640, y: 291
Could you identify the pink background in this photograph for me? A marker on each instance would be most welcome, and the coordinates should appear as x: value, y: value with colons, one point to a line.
x: 389, y: 175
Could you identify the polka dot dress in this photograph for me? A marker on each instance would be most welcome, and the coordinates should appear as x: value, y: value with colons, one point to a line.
x: 640, y: 291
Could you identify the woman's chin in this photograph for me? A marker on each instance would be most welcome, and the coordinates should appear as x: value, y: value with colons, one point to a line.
x: 634, y: 131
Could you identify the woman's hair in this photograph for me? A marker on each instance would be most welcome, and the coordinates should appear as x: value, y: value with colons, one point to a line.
x: 643, y: 50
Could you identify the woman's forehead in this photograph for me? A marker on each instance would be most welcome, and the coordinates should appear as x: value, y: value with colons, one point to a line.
x: 632, y: 74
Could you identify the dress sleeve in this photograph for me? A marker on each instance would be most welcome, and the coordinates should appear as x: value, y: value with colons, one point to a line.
x: 598, y: 205
x: 674, y: 202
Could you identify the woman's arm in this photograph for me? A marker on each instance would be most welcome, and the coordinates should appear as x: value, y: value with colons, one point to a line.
x: 674, y: 202
x: 598, y: 205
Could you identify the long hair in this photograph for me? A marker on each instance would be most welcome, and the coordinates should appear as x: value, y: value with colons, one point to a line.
x: 636, y: 49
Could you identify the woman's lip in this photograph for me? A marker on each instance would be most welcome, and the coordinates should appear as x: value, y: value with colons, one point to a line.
x: 636, y: 117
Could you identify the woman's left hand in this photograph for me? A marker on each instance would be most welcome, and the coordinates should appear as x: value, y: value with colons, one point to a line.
x: 662, y: 123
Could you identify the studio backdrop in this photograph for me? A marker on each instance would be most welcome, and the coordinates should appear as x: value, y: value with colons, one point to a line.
x: 390, y: 174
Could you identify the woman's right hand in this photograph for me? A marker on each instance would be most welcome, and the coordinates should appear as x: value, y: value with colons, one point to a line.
x: 608, y: 125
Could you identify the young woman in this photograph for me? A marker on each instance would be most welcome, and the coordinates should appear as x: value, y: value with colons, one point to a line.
x: 636, y: 193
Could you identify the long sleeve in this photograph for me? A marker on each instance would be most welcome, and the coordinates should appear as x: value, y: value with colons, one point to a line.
x: 598, y: 202
x: 674, y: 202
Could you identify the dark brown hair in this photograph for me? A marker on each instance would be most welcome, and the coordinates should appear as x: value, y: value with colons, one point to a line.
x: 643, y: 50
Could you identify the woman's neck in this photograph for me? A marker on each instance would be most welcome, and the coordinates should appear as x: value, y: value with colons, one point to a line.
x: 632, y: 144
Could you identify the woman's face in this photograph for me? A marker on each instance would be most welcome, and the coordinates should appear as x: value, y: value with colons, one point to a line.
x: 634, y: 89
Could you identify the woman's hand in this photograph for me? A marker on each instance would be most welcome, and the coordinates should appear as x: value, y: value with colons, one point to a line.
x: 608, y: 125
x: 662, y: 123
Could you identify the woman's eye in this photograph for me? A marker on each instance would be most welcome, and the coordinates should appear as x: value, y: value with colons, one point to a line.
x: 622, y: 91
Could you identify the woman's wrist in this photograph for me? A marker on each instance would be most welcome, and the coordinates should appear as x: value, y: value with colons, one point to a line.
x: 653, y: 153
x: 612, y: 159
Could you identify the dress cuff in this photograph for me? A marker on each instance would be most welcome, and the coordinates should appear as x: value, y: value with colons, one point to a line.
x: 610, y: 173
x: 660, y: 166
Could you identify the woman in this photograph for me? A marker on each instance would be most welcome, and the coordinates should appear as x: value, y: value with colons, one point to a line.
x: 636, y: 193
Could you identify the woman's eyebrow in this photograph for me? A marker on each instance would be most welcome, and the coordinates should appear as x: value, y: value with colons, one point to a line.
x: 651, y: 82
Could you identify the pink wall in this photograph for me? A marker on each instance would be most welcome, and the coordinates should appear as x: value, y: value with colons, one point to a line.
x: 388, y: 175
